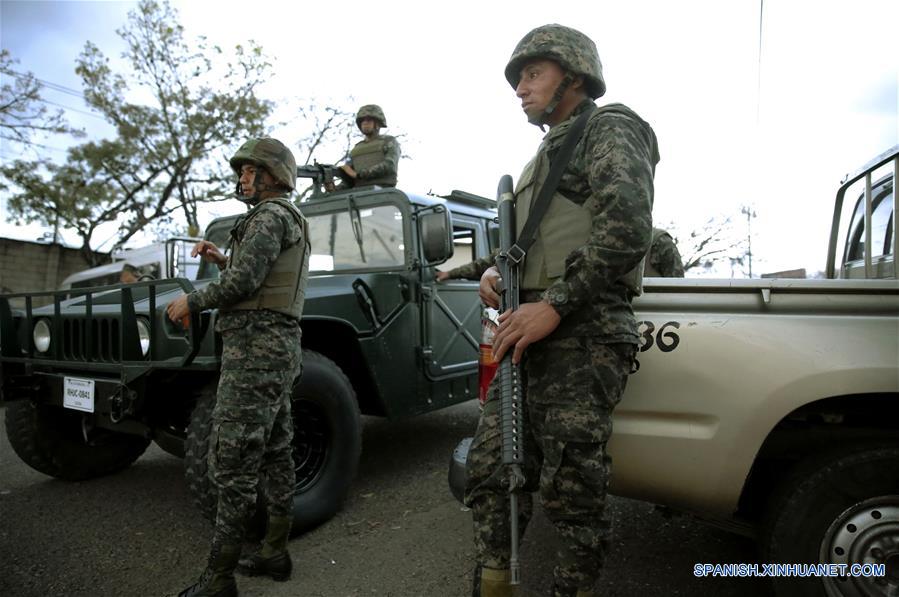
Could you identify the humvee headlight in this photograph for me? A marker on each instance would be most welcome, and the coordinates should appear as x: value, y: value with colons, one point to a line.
x: 143, y: 333
x: 41, y: 335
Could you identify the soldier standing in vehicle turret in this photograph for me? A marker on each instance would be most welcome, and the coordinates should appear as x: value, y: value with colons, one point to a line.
x: 375, y: 159
x: 575, y: 318
x: 259, y: 298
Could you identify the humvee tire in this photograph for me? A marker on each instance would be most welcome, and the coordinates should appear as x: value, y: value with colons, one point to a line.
x: 327, y: 442
x: 51, y: 440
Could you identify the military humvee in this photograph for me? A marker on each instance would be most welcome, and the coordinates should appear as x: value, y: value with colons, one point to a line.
x: 96, y: 375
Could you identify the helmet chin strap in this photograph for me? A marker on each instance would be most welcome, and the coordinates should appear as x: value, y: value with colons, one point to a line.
x: 542, y: 119
x: 258, y: 188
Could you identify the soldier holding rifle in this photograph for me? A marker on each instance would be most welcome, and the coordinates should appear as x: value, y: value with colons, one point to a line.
x: 577, y: 268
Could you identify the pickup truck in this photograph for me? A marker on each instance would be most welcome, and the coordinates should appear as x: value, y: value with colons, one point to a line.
x: 91, y: 375
x: 168, y: 259
x: 771, y: 407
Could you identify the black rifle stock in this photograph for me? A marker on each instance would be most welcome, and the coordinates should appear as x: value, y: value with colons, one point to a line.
x: 321, y: 174
x: 511, y: 414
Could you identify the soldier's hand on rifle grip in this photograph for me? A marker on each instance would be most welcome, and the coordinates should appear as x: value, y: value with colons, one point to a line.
x: 531, y: 323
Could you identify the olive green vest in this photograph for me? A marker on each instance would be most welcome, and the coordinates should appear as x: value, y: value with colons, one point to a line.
x: 649, y: 270
x: 368, y: 154
x: 284, y: 288
x: 565, y: 227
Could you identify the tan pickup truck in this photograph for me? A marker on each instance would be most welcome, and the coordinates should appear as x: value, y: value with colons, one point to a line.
x: 771, y: 407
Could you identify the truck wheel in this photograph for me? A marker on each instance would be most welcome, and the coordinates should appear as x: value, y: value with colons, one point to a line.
x: 840, y: 509
x: 52, y: 440
x: 327, y: 441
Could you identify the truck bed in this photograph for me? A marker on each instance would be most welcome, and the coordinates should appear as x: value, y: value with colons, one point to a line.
x: 723, y: 362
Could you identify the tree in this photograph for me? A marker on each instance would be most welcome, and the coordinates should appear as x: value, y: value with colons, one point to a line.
x: 22, y: 109
x: 178, y: 110
x: 713, y: 242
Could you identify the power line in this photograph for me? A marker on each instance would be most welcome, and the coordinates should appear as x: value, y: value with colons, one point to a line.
x: 46, y: 101
x: 26, y: 142
x: 48, y: 84
x: 55, y: 87
x: 758, y: 82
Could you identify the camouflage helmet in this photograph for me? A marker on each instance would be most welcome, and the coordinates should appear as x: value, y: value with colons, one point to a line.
x: 270, y: 154
x: 574, y: 51
x: 371, y: 111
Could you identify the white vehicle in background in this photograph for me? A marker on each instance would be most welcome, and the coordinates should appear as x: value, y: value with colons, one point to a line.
x: 169, y: 259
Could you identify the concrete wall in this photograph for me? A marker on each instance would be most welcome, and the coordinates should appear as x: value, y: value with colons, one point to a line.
x: 28, y: 266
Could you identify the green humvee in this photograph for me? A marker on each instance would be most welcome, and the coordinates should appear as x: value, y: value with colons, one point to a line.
x: 89, y: 381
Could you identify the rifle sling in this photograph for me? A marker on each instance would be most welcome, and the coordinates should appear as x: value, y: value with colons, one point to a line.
x: 528, y: 234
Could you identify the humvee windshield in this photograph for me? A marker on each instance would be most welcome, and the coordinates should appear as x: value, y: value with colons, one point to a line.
x: 376, y: 242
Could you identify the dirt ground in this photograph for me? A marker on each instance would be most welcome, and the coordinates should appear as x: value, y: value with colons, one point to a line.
x: 400, y: 532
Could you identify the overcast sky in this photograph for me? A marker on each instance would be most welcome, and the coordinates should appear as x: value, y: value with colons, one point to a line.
x: 826, y: 101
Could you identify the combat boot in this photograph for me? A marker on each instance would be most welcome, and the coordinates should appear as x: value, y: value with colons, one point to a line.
x: 218, y: 578
x: 492, y: 582
x: 273, y: 559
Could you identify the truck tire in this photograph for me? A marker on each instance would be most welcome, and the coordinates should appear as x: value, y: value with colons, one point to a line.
x: 840, y: 508
x: 51, y: 440
x: 327, y: 442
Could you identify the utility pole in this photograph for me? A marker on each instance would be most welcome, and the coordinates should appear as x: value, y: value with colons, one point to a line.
x: 749, y: 213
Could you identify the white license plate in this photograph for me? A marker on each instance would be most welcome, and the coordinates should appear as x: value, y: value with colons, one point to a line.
x: 78, y: 394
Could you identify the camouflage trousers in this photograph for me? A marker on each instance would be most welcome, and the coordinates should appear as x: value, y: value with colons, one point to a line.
x: 250, y: 445
x: 571, y: 385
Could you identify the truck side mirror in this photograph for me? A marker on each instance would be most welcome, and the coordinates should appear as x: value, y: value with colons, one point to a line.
x: 435, y: 229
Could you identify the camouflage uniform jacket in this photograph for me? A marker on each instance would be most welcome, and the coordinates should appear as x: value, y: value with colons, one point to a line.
x: 258, y: 339
x: 664, y: 259
x: 611, y: 173
x: 386, y: 169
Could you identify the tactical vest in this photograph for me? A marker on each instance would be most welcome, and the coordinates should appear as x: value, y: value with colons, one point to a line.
x: 283, y: 289
x: 565, y: 227
x: 368, y: 154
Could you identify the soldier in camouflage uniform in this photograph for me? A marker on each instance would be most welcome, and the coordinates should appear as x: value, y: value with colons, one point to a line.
x: 575, y: 319
x: 259, y: 298
x: 663, y: 259
x: 374, y: 160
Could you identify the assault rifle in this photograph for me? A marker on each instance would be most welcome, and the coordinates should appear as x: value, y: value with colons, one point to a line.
x: 511, y: 415
x: 322, y: 176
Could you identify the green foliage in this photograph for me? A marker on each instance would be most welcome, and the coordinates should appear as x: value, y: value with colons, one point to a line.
x: 178, y: 108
